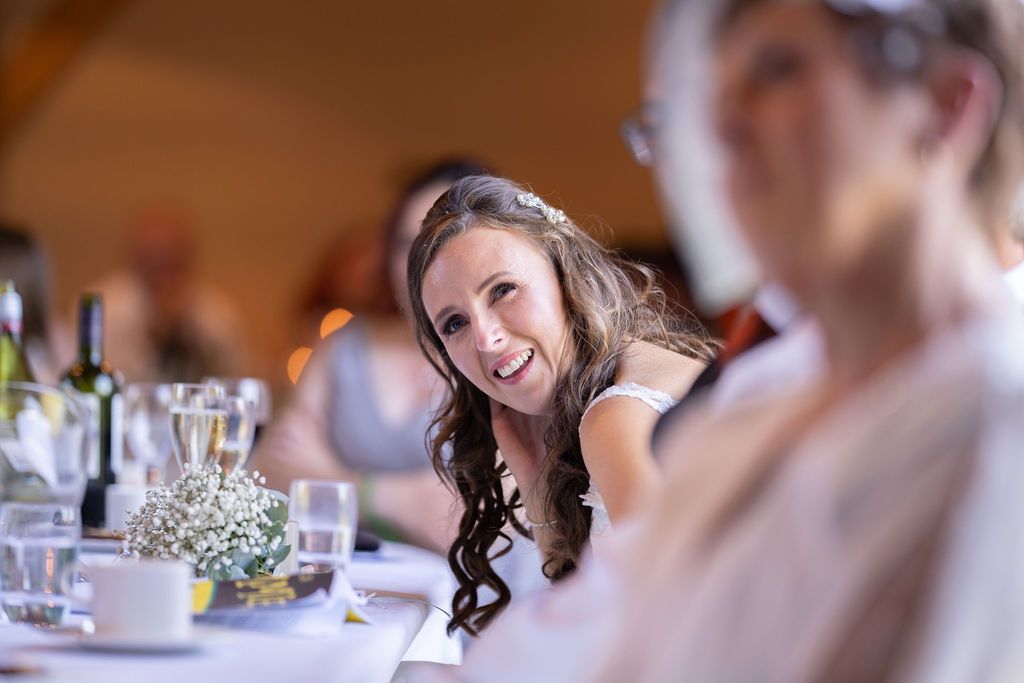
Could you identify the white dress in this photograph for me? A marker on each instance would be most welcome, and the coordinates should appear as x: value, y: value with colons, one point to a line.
x: 656, y: 400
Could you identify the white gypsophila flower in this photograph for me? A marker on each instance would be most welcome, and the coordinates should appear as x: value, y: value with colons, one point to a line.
x: 202, y: 518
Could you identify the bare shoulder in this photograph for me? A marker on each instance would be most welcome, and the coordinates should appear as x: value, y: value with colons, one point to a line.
x: 657, y: 368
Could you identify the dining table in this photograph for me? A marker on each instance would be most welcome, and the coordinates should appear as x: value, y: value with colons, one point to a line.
x: 407, y: 594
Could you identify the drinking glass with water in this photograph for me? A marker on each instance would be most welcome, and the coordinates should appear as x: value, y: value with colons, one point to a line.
x: 326, y: 512
x: 38, y: 560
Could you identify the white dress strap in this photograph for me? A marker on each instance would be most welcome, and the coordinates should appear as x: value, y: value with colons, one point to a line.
x: 658, y: 400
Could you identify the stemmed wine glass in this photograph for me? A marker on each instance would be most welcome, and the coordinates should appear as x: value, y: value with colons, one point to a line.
x: 147, y: 412
x: 198, y: 423
x: 250, y: 388
x: 239, y: 435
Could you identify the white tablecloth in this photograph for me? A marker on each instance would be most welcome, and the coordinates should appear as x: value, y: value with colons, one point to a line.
x: 412, y: 571
x: 403, y: 628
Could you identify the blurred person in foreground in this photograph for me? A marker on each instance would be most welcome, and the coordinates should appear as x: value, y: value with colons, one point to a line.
x: 362, y: 405
x: 759, y: 367
x: 163, y: 324
x: 47, y: 344
x: 867, y: 527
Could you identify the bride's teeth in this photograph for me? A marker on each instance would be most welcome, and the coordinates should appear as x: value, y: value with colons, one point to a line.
x: 514, y: 364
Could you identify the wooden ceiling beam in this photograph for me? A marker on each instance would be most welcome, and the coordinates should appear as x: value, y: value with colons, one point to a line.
x: 34, y: 65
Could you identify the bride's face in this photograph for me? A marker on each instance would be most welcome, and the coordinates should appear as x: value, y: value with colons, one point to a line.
x: 496, y: 304
x: 820, y: 160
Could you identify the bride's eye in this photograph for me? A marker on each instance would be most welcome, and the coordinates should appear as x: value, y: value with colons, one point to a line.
x: 452, y: 325
x: 501, y: 290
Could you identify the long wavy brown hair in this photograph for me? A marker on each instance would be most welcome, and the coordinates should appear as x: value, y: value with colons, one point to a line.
x: 610, y: 302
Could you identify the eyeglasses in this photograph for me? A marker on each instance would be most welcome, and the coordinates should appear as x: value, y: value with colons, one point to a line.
x: 641, y: 129
x: 639, y: 132
x: 925, y: 18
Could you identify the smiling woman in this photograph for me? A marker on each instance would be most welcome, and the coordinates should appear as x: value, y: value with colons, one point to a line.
x: 505, y: 329
x: 557, y: 353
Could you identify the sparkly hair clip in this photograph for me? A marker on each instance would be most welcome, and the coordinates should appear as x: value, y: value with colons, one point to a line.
x: 553, y: 216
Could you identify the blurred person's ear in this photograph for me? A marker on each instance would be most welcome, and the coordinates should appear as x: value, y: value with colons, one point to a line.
x: 966, y: 94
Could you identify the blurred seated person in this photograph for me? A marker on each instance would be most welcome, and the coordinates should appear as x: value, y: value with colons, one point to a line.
x: 347, y: 277
x: 162, y: 323
x: 47, y: 344
x: 362, y: 407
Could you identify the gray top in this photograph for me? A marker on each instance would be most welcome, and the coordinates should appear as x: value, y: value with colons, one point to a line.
x: 357, y: 432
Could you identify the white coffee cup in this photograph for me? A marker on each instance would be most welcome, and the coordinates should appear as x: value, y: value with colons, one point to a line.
x: 122, y: 501
x: 139, y: 602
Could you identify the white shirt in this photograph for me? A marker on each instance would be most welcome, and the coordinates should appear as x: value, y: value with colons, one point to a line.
x: 794, y: 358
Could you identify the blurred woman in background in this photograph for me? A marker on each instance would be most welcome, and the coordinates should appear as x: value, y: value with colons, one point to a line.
x: 362, y: 406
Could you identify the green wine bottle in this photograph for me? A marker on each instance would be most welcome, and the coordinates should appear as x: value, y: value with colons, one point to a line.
x: 97, y: 387
x: 18, y: 480
x: 13, y: 366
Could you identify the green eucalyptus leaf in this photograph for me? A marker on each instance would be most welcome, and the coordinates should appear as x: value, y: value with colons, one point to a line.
x: 280, y: 554
x: 238, y: 573
x: 217, y: 571
x: 279, y: 514
x: 242, y: 560
x: 275, y: 529
x: 276, y: 495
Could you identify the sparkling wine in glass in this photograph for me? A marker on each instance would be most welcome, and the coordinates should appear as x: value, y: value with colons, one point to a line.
x: 239, y: 433
x: 199, y: 422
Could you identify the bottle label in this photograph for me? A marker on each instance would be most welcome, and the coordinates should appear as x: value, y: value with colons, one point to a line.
x: 90, y: 404
x: 116, y: 432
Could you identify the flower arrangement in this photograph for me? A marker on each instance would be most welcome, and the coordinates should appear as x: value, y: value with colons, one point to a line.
x: 224, y: 525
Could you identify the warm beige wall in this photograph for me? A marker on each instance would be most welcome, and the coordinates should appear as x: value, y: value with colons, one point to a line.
x: 276, y: 123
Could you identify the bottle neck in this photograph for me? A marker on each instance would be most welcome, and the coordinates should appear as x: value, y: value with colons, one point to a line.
x: 90, y: 333
x: 10, y: 314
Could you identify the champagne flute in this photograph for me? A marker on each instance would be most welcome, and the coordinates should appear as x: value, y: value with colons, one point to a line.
x: 250, y: 388
x: 198, y: 424
x: 239, y: 435
x: 147, y: 410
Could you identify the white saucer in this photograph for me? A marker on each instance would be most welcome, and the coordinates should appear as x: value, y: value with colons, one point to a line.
x: 127, y: 645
